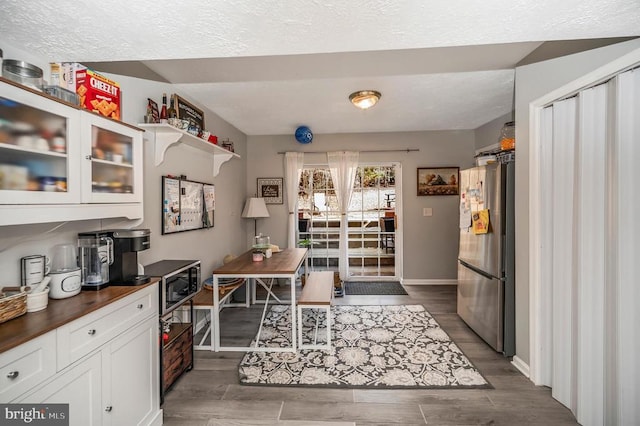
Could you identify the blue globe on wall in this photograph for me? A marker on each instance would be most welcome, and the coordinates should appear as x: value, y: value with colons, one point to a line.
x: 304, y: 135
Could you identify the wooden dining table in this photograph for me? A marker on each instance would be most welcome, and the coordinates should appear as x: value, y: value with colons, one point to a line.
x: 284, y: 264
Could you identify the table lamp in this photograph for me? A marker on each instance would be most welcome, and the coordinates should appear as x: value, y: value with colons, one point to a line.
x: 255, y: 208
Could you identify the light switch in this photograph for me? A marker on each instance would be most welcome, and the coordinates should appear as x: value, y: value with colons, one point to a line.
x: 427, y: 211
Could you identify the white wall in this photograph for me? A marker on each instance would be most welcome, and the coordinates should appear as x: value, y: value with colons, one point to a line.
x: 532, y: 82
x: 209, y: 246
x: 430, y: 243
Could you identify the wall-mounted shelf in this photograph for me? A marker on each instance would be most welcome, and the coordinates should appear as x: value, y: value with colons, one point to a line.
x: 167, y: 135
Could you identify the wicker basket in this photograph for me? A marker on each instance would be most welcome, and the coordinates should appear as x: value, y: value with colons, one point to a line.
x: 13, y: 303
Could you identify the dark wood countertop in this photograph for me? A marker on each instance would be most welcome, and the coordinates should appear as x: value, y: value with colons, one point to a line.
x: 60, y: 312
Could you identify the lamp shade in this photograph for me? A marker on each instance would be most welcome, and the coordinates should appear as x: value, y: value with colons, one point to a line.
x: 255, y: 207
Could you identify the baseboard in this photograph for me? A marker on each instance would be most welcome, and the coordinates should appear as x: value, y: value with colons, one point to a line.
x: 429, y: 282
x: 522, y: 366
x: 157, y: 419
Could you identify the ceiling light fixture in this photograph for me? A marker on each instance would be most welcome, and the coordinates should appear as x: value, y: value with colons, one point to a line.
x: 365, y: 99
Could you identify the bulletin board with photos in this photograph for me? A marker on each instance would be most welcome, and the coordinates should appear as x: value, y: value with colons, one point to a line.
x: 186, y: 205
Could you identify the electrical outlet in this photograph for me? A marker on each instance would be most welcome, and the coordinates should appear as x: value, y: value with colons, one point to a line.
x: 427, y: 211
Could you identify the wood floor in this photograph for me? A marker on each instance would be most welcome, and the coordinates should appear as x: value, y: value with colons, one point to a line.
x: 211, y: 395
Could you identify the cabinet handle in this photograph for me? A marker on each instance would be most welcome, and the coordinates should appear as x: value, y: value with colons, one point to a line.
x: 92, y: 332
x: 140, y: 306
x: 13, y: 375
x: 88, y: 157
x: 108, y: 409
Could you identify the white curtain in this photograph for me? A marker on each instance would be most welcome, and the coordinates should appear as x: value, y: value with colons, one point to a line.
x: 293, y: 164
x: 343, y: 166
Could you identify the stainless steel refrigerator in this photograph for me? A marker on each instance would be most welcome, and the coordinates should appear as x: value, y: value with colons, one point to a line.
x: 486, y: 262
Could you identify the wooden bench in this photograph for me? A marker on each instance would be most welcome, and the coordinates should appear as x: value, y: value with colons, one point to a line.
x: 316, y: 294
x: 203, y: 301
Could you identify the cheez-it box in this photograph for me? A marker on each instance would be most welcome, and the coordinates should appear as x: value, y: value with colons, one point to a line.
x: 98, y: 93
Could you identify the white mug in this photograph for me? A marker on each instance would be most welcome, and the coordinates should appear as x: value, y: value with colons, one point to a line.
x: 34, y: 268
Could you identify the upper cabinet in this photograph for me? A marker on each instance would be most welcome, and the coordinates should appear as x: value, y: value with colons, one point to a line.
x: 39, y: 143
x: 112, y: 166
x: 164, y: 135
x: 60, y: 163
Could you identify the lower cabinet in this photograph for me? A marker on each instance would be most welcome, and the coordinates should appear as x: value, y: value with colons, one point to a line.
x: 131, y: 379
x: 80, y: 387
x: 177, y: 354
x: 115, y: 383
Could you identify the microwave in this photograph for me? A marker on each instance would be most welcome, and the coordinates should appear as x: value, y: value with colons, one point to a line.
x: 179, y: 282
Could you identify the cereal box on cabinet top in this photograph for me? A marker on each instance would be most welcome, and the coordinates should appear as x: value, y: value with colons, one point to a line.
x: 98, y: 93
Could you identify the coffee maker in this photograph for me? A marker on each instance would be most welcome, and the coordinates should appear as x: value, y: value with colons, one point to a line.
x: 95, y: 255
x: 126, y: 245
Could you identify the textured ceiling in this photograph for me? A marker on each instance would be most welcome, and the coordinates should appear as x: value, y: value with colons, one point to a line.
x: 268, y: 66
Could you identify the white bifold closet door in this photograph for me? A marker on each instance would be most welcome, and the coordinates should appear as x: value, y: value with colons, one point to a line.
x: 624, y: 401
x: 563, y: 291
x: 590, y: 164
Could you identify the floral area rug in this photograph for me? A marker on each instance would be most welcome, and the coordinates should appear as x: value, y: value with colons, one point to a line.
x: 399, y: 346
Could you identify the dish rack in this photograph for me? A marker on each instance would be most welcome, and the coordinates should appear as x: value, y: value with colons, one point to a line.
x: 13, y: 303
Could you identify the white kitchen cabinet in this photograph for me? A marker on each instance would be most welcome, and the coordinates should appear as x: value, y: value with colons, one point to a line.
x: 84, y: 335
x: 112, y: 170
x: 110, y: 377
x: 131, y: 377
x: 59, y: 162
x: 26, y: 366
x: 80, y: 387
x: 39, y: 149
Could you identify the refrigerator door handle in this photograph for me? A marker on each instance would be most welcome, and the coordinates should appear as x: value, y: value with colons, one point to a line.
x: 479, y: 271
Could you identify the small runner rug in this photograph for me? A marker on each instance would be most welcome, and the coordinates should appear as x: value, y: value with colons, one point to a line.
x: 358, y: 288
x: 399, y: 346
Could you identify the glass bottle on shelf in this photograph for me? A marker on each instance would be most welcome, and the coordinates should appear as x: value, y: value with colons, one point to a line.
x: 163, y: 111
x: 171, y: 113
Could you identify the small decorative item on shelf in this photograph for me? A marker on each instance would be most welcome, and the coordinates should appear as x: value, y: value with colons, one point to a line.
x: 508, y: 136
x: 207, y: 136
x: 228, y: 145
x: 153, y: 116
x: 189, y: 112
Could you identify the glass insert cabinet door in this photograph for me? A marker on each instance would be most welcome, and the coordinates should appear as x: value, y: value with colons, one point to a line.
x: 111, y: 151
x: 39, y: 149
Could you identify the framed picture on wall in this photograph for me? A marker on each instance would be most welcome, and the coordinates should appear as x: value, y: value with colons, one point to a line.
x: 438, y: 181
x: 271, y: 190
